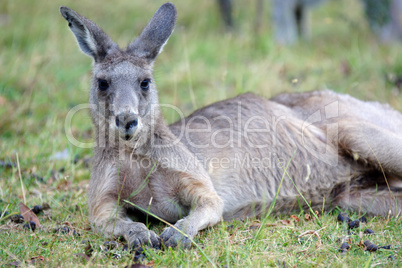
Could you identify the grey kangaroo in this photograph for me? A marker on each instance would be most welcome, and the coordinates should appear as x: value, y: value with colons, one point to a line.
x: 226, y: 160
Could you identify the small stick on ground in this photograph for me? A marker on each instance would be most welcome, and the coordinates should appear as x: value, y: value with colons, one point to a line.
x: 22, y: 185
x: 313, y: 233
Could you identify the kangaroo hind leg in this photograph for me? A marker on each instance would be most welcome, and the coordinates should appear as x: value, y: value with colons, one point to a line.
x: 373, y: 201
x: 375, y: 146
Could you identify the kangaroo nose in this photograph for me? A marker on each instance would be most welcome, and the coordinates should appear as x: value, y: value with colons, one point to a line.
x: 131, y: 124
x: 128, y: 121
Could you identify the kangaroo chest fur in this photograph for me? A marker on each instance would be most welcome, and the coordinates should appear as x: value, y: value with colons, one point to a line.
x: 149, y: 185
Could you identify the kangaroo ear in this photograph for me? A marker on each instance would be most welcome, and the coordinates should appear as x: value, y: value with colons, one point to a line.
x: 155, y: 35
x: 91, y: 39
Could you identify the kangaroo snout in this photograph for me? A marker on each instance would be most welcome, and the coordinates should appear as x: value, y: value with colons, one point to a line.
x: 126, y: 123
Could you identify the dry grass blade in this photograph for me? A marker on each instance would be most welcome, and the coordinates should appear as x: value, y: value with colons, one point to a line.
x: 22, y: 184
x: 312, y: 232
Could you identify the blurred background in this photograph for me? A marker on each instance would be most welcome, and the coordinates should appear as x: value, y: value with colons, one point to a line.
x: 43, y: 74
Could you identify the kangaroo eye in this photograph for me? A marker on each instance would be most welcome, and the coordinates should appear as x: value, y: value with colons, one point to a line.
x: 103, y: 84
x: 145, y: 84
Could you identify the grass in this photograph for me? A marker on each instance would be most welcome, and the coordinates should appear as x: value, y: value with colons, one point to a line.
x: 43, y: 75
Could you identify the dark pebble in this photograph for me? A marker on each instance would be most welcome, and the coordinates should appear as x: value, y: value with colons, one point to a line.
x: 125, y: 247
x: 253, y: 227
x: 230, y: 227
x: 111, y: 245
x: 301, y: 240
x: 368, y: 231
x: 354, y: 224
x: 30, y: 225
x: 139, y: 255
x: 398, y: 82
x: 37, y: 209
x: 5, y: 164
x: 139, y: 251
x: 17, y: 219
x: 116, y: 255
x: 66, y: 230
x: 40, y: 180
x: 88, y: 249
x: 76, y: 159
x: 63, y: 230
x: 386, y: 247
x: 37, y: 178
x: 344, y: 247
x: 75, y: 233
x: 370, y: 246
x: 391, y: 257
x: 343, y: 217
x: 363, y: 219
x: 5, y: 213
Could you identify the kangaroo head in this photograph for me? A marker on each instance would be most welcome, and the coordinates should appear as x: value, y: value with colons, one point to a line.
x: 123, y: 93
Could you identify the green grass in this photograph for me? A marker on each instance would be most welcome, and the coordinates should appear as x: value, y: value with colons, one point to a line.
x: 43, y: 75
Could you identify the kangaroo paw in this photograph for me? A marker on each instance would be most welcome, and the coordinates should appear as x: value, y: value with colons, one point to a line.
x: 139, y: 235
x: 171, y: 237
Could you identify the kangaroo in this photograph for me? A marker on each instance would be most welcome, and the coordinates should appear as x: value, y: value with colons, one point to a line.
x: 226, y: 160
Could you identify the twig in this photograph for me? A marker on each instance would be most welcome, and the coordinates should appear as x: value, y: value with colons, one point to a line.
x: 22, y: 185
x: 231, y: 236
x: 301, y: 251
x: 313, y: 233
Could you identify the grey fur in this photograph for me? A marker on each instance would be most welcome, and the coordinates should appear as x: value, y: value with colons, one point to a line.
x: 226, y: 160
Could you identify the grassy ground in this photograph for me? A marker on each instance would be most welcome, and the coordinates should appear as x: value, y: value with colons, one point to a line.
x: 43, y: 75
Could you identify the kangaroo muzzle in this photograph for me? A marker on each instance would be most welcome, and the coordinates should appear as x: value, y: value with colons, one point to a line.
x: 127, y: 124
